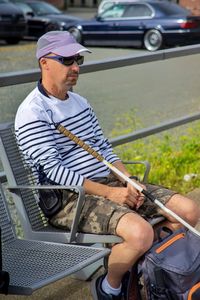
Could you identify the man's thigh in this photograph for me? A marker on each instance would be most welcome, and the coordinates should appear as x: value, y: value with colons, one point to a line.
x: 99, y: 215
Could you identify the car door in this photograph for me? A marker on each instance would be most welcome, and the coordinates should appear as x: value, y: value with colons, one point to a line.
x: 122, y: 24
x: 129, y: 30
x: 101, y: 31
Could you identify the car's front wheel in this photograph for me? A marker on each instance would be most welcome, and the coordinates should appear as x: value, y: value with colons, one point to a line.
x: 76, y: 34
x: 153, y: 40
x: 51, y: 27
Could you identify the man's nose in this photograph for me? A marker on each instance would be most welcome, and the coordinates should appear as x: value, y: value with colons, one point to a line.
x: 75, y: 65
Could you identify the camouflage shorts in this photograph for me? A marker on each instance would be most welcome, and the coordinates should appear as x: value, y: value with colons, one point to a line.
x: 100, y: 215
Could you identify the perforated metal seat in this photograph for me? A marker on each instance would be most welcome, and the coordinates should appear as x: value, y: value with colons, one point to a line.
x: 34, y: 264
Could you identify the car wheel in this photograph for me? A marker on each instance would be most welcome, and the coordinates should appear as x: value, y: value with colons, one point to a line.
x: 153, y: 40
x: 76, y: 34
x: 13, y: 41
x: 51, y: 27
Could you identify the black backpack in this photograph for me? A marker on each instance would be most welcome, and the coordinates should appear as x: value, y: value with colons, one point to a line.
x: 170, y: 270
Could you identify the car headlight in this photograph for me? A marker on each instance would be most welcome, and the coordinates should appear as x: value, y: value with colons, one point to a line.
x: 62, y: 26
x: 79, y: 27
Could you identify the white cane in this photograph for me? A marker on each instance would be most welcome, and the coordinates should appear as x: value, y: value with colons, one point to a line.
x: 99, y: 157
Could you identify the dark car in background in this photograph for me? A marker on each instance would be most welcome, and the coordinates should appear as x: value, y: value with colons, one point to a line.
x: 42, y: 17
x: 150, y: 24
x: 12, y: 23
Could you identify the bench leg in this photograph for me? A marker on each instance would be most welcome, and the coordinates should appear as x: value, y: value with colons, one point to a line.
x: 89, y: 271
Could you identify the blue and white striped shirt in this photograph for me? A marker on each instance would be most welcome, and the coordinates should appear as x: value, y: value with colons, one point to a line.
x: 46, y: 148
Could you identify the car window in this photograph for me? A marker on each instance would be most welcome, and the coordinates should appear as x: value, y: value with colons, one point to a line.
x: 24, y: 7
x: 41, y: 8
x: 115, y: 11
x: 104, y: 7
x: 137, y: 10
x: 127, y: 10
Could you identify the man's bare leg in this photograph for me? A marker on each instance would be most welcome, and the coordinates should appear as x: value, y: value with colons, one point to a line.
x: 184, y: 207
x: 138, y: 237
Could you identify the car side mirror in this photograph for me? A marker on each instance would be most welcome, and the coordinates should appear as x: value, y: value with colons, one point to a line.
x: 98, y: 18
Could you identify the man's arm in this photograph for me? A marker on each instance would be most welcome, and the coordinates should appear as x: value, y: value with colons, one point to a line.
x: 120, y: 166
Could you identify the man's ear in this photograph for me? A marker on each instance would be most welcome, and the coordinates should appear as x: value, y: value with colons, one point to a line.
x: 43, y: 62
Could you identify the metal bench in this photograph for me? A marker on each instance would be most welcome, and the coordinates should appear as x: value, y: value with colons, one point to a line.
x: 35, y: 225
x: 34, y: 264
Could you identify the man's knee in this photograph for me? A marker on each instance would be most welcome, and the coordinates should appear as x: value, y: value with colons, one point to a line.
x: 192, y: 213
x: 136, y: 232
x: 144, y: 236
x: 185, y: 208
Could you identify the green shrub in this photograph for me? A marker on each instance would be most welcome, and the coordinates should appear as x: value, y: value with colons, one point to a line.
x: 172, y: 154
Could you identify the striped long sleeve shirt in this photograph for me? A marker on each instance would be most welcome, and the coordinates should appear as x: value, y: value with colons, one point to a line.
x: 44, y: 147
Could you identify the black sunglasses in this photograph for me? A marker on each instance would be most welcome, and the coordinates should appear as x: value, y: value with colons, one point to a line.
x: 68, y: 61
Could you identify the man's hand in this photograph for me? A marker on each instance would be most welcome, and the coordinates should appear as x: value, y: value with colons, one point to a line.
x: 126, y: 195
x: 139, y: 197
x: 121, y: 195
x: 133, y: 198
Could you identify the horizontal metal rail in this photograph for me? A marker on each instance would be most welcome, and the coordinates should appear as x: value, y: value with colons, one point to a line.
x: 141, y: 133
x: 20, y: 77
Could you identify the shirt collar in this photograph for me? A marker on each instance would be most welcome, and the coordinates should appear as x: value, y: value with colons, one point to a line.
x: 41, y: 89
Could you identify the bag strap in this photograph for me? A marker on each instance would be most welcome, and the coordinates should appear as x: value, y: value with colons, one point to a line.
x: 164, y: 229
x: 4, y: 276
x: 130, y: 284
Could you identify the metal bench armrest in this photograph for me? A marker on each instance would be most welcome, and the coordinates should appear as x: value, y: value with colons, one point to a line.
x: 81, y: 198
x: 145, y: 163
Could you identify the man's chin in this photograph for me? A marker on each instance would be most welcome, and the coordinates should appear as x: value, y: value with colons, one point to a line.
x: 71, y: 84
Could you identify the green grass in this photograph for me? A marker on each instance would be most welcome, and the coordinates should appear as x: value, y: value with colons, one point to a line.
x: 172, y: 154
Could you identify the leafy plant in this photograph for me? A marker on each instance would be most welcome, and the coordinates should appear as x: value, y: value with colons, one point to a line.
x: 172, y: 154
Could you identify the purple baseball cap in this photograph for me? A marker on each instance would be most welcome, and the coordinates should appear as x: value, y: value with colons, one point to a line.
x: 59, y: 42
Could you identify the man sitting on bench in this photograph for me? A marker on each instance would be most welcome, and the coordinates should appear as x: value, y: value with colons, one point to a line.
x: 111, y: 205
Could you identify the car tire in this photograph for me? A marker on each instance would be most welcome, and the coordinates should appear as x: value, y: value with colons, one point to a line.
x: 12, y: 40
x: 76, y: 34
x: 153, y: 40
x: 51, y: 27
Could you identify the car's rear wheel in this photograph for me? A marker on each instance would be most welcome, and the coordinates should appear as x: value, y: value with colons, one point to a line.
x: 76, y: 34
x: 153, y: 40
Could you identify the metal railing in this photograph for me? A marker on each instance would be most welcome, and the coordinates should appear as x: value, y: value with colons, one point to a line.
x: 21, y: 77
